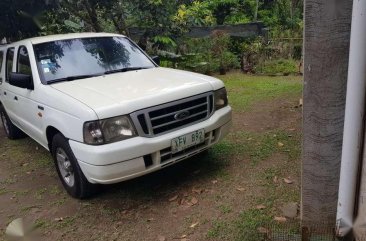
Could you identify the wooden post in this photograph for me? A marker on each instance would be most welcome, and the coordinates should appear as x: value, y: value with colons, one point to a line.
x: 326, y: 43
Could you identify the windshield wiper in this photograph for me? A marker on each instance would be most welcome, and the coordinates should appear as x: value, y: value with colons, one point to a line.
x: 124, y: 70
x: 73, y: 77
x: 84, y: 76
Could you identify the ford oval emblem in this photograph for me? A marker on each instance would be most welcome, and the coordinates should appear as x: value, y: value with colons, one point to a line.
x: 182, y: 115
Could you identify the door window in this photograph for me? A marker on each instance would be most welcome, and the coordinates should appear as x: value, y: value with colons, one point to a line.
x: 9, y: 62
x: 1, y: 64
x: 23, y: 65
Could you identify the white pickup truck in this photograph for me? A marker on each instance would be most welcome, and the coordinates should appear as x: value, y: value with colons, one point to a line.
x: 104, y: 109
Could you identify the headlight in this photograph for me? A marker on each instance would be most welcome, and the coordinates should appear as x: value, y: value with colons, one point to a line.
x: 220, y: 99
x: 108, y: 130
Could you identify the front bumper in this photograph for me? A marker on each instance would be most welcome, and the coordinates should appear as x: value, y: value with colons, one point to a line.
x: 138, y: 156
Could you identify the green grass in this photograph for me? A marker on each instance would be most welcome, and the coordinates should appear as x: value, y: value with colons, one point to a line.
x: 40, y: 193
x: 248, y: 223
x: 225, y: 209
x: 3, y: 191
x: 65, y: 223
x: 260, y: 146
x: 245, y: 90
x: 220, y: 230
x: 256, y: 147
x: 9, y: 181
x: 41, y: 223
x: 28, y: 208
x: 21, y: 192
x: 58, y: 202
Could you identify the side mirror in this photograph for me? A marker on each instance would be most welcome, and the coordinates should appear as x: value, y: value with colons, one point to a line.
x: 156, y: 59
x: 21, y: 80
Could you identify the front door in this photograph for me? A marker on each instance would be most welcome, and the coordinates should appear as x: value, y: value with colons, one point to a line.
x: 25, y: 108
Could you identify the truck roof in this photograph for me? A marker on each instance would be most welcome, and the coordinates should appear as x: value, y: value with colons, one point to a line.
x: 49, y: 38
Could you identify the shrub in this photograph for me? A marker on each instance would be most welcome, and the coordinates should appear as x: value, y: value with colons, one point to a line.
x: 208, y: 55
x: 220, y: 51
x: 228, y: 61
x: 297, y: 52
x: 197, y: 56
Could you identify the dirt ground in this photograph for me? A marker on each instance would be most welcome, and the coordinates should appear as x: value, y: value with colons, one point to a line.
x: 188, y: 201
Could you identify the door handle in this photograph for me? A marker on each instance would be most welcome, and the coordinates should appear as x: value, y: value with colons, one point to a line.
x: 15, y: 98
x: 4, y: 92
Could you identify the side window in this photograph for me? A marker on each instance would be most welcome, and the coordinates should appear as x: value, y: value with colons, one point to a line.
x: 9, y: 62
x: 1, y: 64
x: 23, y: 64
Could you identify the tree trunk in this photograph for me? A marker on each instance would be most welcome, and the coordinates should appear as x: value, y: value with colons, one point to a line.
x: 256, y: 11
x: 93, y: 16
x: 116, y: 25
x: 327, y: 38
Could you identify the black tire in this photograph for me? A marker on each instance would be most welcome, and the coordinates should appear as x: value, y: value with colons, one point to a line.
x: 80, y: 187
x: 11, y: 131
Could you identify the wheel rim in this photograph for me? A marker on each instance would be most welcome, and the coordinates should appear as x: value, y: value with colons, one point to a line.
x: 65, y: 167
x: 5, y: 122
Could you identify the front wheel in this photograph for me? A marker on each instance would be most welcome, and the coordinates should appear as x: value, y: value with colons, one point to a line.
x: 68, y: 169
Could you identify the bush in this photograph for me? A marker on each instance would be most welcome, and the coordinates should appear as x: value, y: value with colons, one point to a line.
x: 203, y: 63
x: 220, y: 50
x: 228, y: 61
x: 208, y: 55
x: 198, y: 57
x: 281, y: 66
x: 297, y: 52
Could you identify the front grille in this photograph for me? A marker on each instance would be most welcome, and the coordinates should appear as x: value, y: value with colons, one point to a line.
x: 164, y: 118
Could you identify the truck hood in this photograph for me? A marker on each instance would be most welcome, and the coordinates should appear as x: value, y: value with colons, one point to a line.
x: 123, y: 93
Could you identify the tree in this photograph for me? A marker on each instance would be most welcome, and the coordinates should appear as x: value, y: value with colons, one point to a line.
x: 87, y: 10
x: 196, y: 14
x: 18, y: 18
x: 327, y: 38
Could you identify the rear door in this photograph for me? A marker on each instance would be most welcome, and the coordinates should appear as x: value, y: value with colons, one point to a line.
x: 1, y: 73
x: 26, y: 109
x: 7, y: 96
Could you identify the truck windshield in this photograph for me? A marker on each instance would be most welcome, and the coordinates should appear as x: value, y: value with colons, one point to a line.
x: 71, y: 59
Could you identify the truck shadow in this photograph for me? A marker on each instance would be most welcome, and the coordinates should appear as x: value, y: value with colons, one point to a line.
x: 193, y: 173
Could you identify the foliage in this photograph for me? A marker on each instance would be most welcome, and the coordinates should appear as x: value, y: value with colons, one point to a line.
x: 163, y: 23
x: 297, y: 51
x: 198, y: 57
x: 159, y: 17
x: 163, y: 42
x: 18, y: 18
x: 51, y: 24
x: 229, y: 61
x: 223, y: 8
x: 208, y: 55
x: 220, y: 46
x: 196, y: 14
x: 282, y: 15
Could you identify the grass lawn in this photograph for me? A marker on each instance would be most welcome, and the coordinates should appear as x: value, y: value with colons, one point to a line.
x: 246, y: 90
x: 239, y: 186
